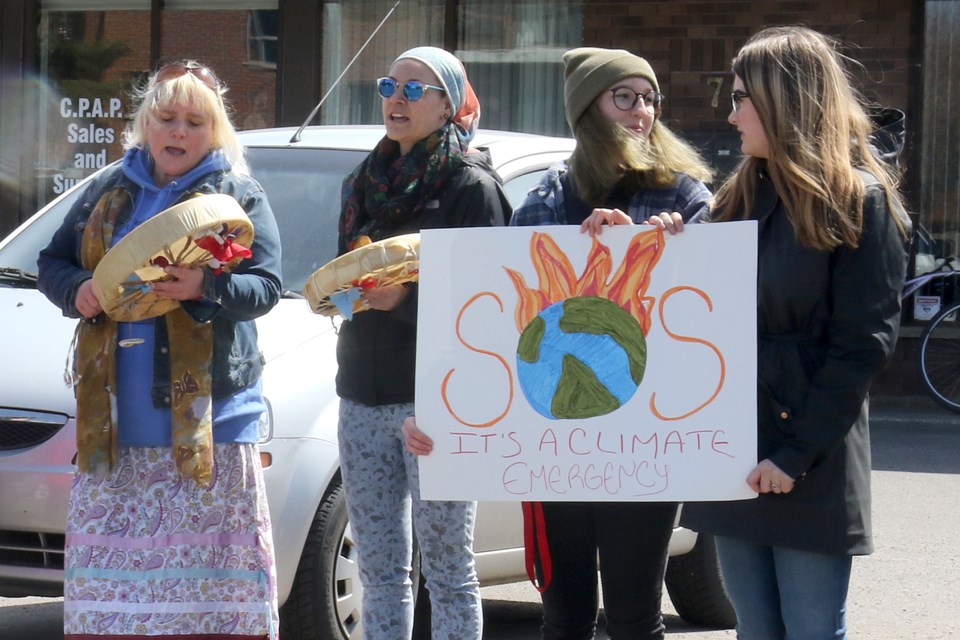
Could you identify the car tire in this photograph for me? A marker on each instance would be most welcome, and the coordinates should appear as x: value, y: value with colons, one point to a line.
x: 696, y: 587
x: 325, y: 600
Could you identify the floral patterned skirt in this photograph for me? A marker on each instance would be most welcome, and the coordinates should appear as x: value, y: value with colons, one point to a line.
x: 149, y: 554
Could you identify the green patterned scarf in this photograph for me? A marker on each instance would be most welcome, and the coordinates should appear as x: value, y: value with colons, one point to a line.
x: 388, y: 189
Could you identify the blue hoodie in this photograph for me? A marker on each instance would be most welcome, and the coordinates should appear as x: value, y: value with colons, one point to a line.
x: 140, y: 424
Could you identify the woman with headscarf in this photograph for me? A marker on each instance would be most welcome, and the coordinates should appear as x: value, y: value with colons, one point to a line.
x: 421, y: 175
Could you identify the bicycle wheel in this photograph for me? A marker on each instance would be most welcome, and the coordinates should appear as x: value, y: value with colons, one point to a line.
x: 940, y: 358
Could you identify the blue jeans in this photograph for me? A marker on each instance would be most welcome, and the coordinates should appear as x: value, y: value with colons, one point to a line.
x: 381, y: 480
x: 785, y: 594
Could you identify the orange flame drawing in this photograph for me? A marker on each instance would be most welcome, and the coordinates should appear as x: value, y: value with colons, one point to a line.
x: 558, y: 280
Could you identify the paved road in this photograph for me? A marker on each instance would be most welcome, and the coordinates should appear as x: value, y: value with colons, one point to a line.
x: 910, y: 588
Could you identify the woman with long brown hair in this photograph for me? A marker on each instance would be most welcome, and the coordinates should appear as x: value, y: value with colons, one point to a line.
x: 832, y: 259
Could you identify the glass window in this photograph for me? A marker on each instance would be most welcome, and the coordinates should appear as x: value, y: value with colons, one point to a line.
x: 262, y: 35
x: 89, y: 60
x: 238, y: 40
x: 304, y: 189
x: 92, y: 52
x: 347, y: 26
x: 939, y: 162
x: 519, y: 186
x: 512, y: 51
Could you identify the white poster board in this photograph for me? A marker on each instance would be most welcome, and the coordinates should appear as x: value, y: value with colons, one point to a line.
x: 532, y: 341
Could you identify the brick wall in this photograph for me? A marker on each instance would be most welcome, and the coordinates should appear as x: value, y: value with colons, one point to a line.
x: 690, y: 45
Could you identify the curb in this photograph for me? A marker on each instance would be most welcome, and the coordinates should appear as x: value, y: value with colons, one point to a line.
x: 913, y: 409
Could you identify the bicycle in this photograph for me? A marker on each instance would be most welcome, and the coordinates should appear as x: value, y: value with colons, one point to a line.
x: 939, y: 349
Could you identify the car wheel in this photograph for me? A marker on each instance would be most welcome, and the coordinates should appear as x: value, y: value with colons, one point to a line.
x: 696, y: 587
x: 325, y: 600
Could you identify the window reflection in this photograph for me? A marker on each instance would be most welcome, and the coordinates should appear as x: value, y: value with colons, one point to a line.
x: 512, y: 50
x: 88, y: 60
x: 91, y: 59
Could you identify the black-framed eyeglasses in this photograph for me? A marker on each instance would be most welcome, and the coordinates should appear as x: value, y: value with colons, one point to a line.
x: 413, y: 90
x: 198, y: 71
x: 626, y: 99
x: 736, y: 97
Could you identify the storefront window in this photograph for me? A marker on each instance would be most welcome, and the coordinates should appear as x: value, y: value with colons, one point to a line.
x: 514, y: 54
x: 92, y: 54
x: 512, y: 51
x: 239, y: 44
x: 90, y: 59
x: 940, y: 163
x: 347, y: 26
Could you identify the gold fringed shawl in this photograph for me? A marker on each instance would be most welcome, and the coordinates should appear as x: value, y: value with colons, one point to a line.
x: 191, y: 400
x: 191, y: 352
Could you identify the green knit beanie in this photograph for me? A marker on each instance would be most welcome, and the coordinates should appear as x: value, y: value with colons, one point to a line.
x: 589, y: 70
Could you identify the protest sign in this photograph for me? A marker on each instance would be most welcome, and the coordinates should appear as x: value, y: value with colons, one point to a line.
x: 553, y: 366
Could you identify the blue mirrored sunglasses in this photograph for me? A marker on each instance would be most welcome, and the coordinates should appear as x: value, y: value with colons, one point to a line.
x: 413, y: 90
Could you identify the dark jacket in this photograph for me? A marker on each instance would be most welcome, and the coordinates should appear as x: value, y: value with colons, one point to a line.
x: 377, y: 350
x: 232, y: 300
x: 827, y: 323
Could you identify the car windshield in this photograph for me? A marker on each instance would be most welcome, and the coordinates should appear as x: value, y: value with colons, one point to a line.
x: 22, y: 251
x: 303, y: 186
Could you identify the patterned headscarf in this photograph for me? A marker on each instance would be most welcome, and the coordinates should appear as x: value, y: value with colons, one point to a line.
x: 453, y: 78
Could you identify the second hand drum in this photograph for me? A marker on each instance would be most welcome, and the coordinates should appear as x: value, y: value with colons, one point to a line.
x: 334, y: 289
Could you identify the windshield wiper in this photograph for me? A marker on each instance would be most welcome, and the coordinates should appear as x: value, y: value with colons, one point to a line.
x: 24, y: 278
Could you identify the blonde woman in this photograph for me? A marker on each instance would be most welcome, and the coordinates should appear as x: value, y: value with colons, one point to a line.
x: 168, y: 531
x: 832, y: 260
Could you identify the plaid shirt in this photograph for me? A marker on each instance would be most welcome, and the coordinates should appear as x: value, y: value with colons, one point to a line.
x: 544, y: 203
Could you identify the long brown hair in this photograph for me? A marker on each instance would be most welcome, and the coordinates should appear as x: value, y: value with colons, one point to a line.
x: 818, y: 135
x: 607, y: 154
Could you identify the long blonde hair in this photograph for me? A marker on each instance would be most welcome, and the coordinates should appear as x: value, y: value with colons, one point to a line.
x: 608, y: 154
x: 818, y: 135
x: 187, y: 89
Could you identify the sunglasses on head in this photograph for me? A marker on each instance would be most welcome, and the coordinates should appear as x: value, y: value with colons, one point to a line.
x: 413, y: 90
x: 177, y: 69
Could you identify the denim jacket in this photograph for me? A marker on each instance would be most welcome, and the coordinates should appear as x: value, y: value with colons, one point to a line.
x: 232, y: 301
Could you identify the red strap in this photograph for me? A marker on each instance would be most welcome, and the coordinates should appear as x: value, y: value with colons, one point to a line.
x: 536, y: 549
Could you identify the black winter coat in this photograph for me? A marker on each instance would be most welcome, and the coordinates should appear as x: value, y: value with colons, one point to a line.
x: 376, y: 351
x: 827, y: 323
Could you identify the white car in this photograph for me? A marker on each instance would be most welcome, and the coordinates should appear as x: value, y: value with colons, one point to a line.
x: 316, y: 558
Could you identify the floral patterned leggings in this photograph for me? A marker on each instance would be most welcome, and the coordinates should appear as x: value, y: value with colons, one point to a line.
x: 382, y: 485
